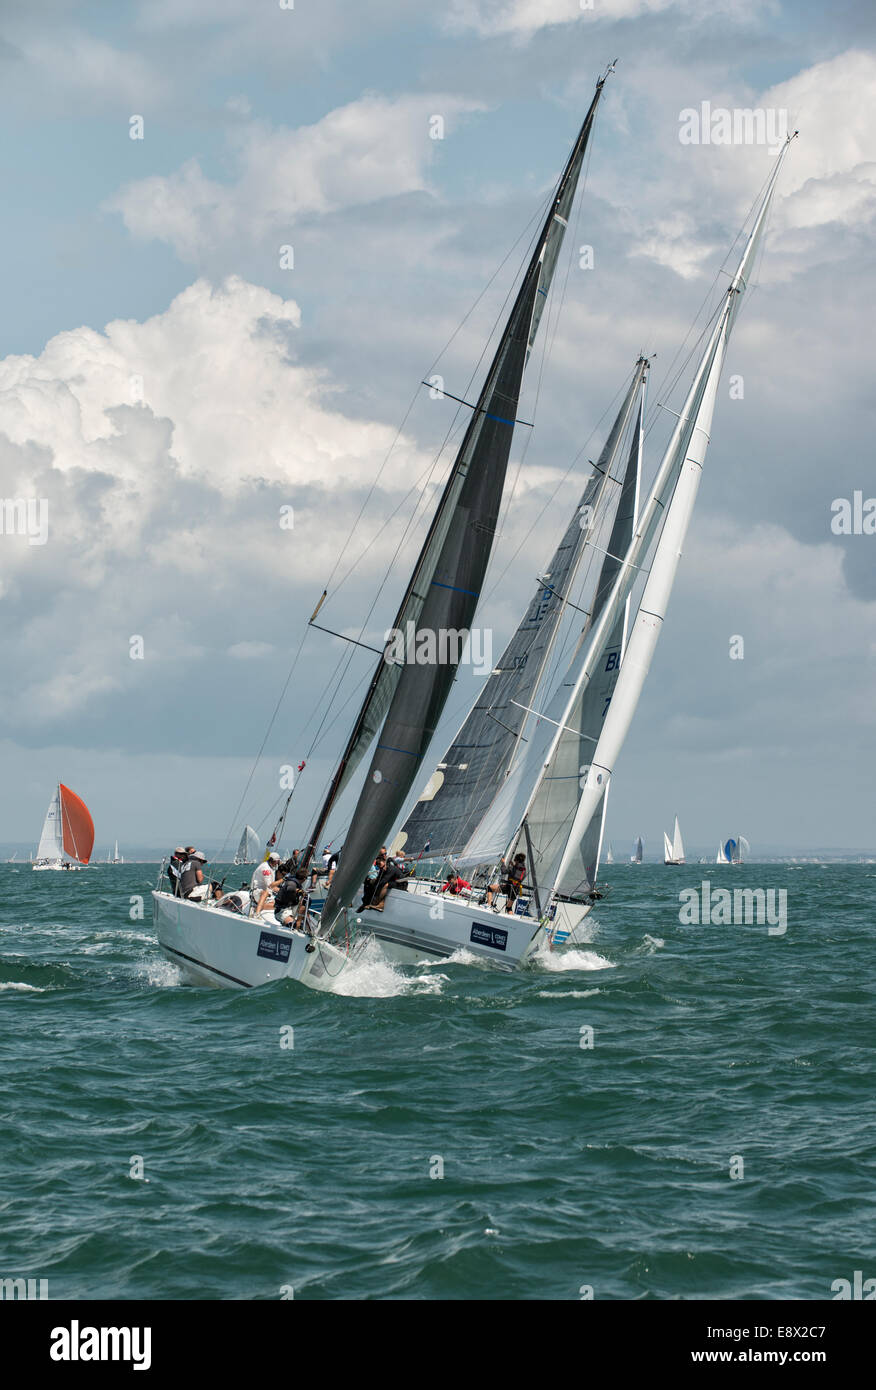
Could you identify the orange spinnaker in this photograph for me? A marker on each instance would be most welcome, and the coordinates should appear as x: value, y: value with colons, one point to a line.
x: 77, y: 825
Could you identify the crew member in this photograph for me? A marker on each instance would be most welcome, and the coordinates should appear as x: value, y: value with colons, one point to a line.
x: 395, y: 875
x: 264, y: 879
x: 174, y: 868
x: 191, y: 879
x: 454, y: 883
x: 291, y: 899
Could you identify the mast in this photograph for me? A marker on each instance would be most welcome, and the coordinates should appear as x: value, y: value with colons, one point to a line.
x: 684, y: 457
x: 531, y: 295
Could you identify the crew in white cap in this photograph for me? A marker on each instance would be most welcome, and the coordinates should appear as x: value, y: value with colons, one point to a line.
x: 264, y: 879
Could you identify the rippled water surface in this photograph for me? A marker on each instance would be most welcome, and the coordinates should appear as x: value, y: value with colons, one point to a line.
x: 715, y: 1049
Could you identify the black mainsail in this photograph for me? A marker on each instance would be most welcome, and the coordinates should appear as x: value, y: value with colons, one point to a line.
x: 443, y: 593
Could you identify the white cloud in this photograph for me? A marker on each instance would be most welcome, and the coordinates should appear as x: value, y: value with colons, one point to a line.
x: 523, y: 18
x: 361, y: 153
x: 166, y: 450
x: 831, y: 173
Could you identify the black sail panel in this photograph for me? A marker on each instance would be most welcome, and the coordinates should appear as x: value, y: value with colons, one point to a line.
x: 448, y: 608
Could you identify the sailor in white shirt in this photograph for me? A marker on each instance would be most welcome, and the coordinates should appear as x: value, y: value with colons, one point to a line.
x: 263, y: 880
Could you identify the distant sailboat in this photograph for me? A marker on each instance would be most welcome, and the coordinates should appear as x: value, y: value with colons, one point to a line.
x: 722, y: 856
x: 673, y: 850
x: 609, y: 858
x: 249, y: 848
x: 68, y: 832
x: 638, y: 847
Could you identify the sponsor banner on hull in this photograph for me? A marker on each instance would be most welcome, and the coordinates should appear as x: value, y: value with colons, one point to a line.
x: 488, y: 936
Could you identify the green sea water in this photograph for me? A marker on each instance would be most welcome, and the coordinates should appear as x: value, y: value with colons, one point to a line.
x: 441, y: 1132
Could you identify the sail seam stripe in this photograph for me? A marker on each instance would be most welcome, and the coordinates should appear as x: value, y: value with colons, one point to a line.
x: 455, y: 589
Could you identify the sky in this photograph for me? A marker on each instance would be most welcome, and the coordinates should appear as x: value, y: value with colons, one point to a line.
x: 229, y: 318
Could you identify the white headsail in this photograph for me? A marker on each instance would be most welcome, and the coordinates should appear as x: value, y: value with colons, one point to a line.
x: 683, y: 460
x: 51, y: 845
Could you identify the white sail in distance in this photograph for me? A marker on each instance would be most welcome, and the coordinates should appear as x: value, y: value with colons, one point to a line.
x: 249, y: 848
x: 673, y: 850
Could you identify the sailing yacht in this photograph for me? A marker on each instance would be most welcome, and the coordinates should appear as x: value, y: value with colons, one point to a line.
x: 552, y: 788
x: 560, y: 866
x: 638, y: 850
x: 490, y: 776
x: 673, y: 850
x: 609, y: 858
x: 67, y: 837
x: 249, y: 848
x: 733, y: 851
x: 404, y: 700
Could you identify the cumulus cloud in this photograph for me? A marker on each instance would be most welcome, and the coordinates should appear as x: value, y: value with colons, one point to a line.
x: 369, y: 150
x: 165, y: 451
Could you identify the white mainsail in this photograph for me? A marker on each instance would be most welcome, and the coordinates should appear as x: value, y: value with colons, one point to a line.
x: 249, y: 848
x: 683, y: 460
x: 51, y: 845
x: 544, y: 786
x: 673, y: 850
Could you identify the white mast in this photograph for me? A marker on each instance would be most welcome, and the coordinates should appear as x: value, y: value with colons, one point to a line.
x: 698, y: 410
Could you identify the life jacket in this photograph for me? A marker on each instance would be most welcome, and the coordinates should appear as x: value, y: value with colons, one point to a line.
x: 288, y: 894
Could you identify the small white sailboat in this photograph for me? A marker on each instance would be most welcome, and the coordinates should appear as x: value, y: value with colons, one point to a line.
x: 673, y: 850
x: 67, y: 837
x: 250, y: 847
x: 609, y: 857
x: 734, y: 851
